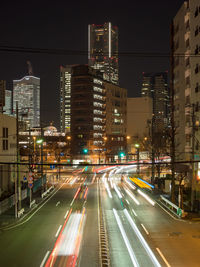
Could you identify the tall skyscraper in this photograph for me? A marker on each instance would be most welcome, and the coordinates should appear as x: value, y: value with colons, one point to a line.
x: 27, y: 92
x: 65, y: 98
x: 7, y: 109
x: 155, y: 85
x: 103, y: 50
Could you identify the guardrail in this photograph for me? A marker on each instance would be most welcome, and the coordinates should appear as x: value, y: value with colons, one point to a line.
x: 46, y: 192
x: 32, y: 203
x: 20, y: 213
x: 172, y: 207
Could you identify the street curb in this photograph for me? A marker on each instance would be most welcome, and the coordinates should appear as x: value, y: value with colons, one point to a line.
x: 30, y: 210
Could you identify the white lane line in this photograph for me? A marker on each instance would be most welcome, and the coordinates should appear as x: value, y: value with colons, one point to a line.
x: 57, y: 203
x: 126, y: 241
x: 162, y: 256
x: 45, y: 258
x: 66, y: 214
x: 134, y: 212
x: 127, y: 201
x: 145, y: 229
x: 58, y: 230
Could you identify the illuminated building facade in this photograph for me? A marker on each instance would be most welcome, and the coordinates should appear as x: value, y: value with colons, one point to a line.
x: 7, y: 109
x: 116, y: 121
x: 65, y: 98
x: 27, y: 92
x: 155, y: 85
x: 2, y: 94
x: 103, y: 50
x: 88, y: 111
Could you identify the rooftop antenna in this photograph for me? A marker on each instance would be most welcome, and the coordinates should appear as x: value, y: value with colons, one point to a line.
x: 30, y: 69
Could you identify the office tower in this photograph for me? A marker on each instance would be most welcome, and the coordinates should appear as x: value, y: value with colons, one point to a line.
x: 65, y: 98
x: 7, y: 109
x: 155, y: 85
x: 103, y: 50
x: 2, y: 94
x: 27, y: 92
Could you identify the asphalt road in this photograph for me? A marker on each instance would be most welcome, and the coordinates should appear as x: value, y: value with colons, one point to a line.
x: 53, y: 225
x: 174, y: 242
x: 64, y: 230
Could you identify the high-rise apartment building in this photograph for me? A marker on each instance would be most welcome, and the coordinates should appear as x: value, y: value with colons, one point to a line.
x: 26, y: 92
x: 185, y: 48
x: 155, y: 85
x: 65, y: 98
x: 103, y: 50
x: 7, y: 109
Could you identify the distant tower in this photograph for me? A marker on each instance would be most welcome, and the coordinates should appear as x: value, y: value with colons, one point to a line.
x: 103, y: 50
x: 30, y: 69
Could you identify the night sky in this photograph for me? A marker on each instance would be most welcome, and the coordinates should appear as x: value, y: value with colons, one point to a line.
x: 143, y: 27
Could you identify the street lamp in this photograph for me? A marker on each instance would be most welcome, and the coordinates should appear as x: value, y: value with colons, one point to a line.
x: 137, y: 146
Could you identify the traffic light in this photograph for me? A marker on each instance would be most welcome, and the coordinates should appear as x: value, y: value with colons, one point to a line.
x: 85, y: 150
x: 121, y: 154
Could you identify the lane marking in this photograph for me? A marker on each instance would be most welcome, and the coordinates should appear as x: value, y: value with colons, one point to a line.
x: 45, y: 258
x: 57, y: 203
x: 134, y: 212
x: 127, y: 201
x: 145, y: 229
x: 66, y: 215
x: 58, y: 230
x: 162, y: 256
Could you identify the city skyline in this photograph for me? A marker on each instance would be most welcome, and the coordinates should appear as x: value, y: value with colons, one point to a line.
x: 140, y: 34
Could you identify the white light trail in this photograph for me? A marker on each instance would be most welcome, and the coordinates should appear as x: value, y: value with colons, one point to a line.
x: 142, y: 240
x: 146, y: 197
x: 131, y: 185
x: 117, y: 191
x: 108, y: 189
x: 127, y: 201
x: 126, y: 241
x: 132, y: 196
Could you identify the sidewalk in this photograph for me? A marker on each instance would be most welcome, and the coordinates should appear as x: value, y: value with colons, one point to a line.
x: 8, y: 217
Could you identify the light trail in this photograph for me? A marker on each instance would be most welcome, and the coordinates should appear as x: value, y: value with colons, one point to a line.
x: 75, y: 196
x: 126, y: 241
x: 134, y: 212
x: 86, y: 191
x: 146, y: 197
x: 108, y: 189
x: 131, y: 185
x: 132, y: 196
x: 117, y: 191
x: 142, y: 240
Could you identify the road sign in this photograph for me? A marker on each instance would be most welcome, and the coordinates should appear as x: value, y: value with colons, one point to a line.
x: 52, y: 167
x: 30, y: 180
x: 30, y: 185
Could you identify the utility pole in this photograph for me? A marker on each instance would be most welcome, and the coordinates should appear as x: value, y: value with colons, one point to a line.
x: 172, y: 134
x: 193, y: 182
x: 152, y: 151
x: 17, y: 148
x: 42, y: 137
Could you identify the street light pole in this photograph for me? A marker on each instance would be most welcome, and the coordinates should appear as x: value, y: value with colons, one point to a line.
x: 137, y: 146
